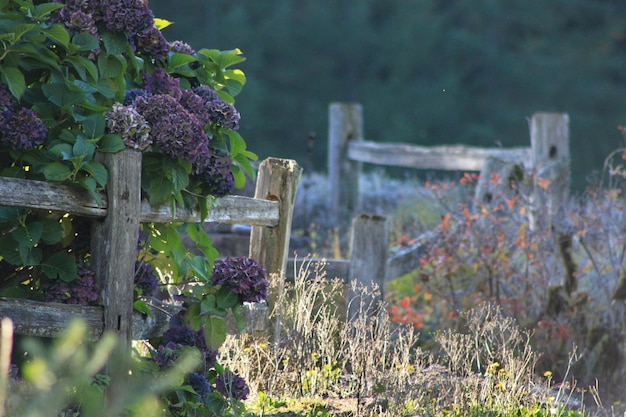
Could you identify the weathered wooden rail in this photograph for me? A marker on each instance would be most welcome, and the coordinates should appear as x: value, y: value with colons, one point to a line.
x: 114, y: 240
x: 548, y: 156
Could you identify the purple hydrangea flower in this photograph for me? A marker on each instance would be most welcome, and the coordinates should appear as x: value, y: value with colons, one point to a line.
x: 78, y: 16
x: 160, y: 82
x: 221, y: 113
x: 22, y: 129
x: 7, y: 101
x: 196, y: 105
x: 174, y: 130
x: 145, y: 278
x: 130, y: 125
x: 133, y: 93
x: 130, y: 16
x: 81, y: 291
x: 200, y: 384
x: 215, y: 174
x: 180, y: 334
x: 224, y: 114
x: 167, y: 354
x: 231, y: 385
x: 152, y: 43
x: 207, y: 93
x: 244, y: 276
x: 181, y: 47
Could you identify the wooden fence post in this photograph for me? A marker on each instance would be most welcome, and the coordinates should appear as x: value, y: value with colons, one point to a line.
x: 345, y: 124
x: 277, y: 181
x: 114, y: 242
x: 549, y: 139
x: 368, y: 260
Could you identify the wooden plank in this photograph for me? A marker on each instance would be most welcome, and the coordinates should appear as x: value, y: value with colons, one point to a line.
x: 49, y: 196
x: 42, y: 195
x: 47, y: 319
x: 368, y: 258
x: 451, y: 158
x: 114, y: 242
x: 345, y: 127
x: 229, y: 209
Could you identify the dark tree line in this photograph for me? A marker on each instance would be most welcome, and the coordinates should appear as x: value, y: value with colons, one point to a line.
x: 426, y: 71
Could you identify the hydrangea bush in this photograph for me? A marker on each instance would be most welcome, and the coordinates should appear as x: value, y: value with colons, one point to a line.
x: 82, y: 77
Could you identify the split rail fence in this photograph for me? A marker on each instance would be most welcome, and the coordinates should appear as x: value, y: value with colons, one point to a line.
x: 370, y: 262
x: 115, y: 227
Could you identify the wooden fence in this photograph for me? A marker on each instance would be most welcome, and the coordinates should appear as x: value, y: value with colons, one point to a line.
x: 547, y: 157
x: 369, y: 261
x: 115, y: 233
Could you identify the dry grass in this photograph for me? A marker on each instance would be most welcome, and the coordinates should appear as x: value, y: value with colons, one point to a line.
x: 375, y: 367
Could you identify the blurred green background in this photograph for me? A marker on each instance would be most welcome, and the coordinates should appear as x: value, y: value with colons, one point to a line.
x: 426, y: 71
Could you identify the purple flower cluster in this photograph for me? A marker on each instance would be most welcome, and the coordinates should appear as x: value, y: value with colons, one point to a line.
x: 145, y: 278
x: 179, y: 334
x: 244, y: 276
x: 160, y: 82
x: 81, y: 291
x: 132, y: 17
x: 22, y: 129
x: 130, y: 125
x: 7, y: 101
x: 78, y: 17
x: 166, y: 355
x: 174, y: 131
x: 199, y: 383
x: 219, y: 112
x: 181, y: 48
x: 215, y: 174
x: 224, y: 114
x: 231, y: 385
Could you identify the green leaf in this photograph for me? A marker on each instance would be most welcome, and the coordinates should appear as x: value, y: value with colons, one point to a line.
x: 240, y: 321
x: 215, y: 332
x: 199, y: 266
x: 114, y: 42
x: 56, y: 171
x: 89, y: 184
x: 111, y: 143
x: 29, y: 235
x: 142, y: 307
x: 85, y: 42
x: 179, y: 60
x: 9, y: 214
x: 60, y: 94
x: 97, y: 171
x: 110, y: 66
x: 227, y: 299
x: 238, y: 175
x: 52, y: 231
x: 44, y: 9
x: 161, y: 24
x: 94, y: 125
x: 208, y: 305
x: 9, y: 250
x: 83, y: 149
x: 61, y: 265
x: 14, y: 78
x: 58, y: 34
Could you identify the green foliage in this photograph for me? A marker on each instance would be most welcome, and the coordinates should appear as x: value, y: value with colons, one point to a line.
x: 61, y: 80
x: 69, y: 376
